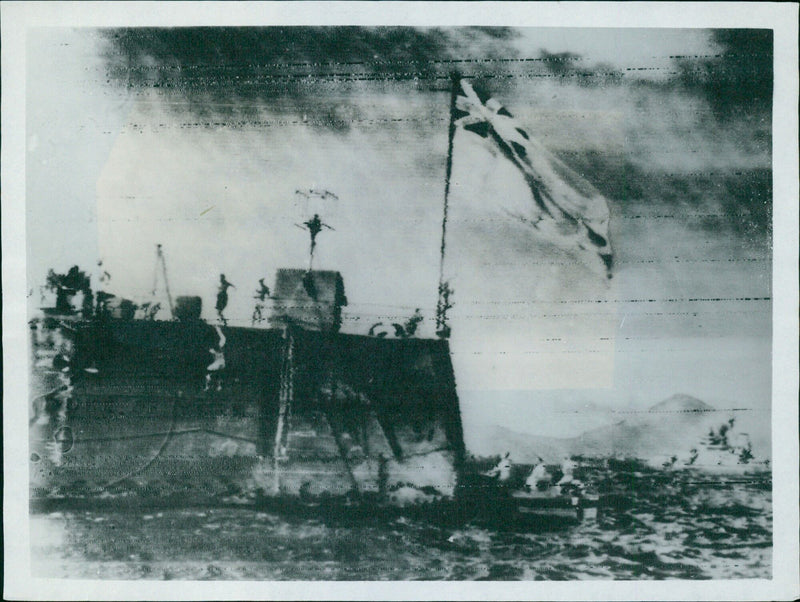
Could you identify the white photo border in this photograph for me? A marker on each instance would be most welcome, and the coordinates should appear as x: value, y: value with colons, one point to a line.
x: 18, y: 17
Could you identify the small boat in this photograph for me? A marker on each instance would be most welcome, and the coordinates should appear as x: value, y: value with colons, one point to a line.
x: 515, y: 507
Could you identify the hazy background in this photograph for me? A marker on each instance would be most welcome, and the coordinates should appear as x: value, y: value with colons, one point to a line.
x: 198, y: 139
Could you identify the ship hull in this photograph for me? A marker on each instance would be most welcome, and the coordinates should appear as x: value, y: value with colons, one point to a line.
x: 299, y: 422
x: 131, y: 415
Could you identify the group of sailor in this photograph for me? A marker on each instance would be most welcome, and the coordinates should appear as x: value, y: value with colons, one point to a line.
x: 215, y: 369
x: 540, y: 479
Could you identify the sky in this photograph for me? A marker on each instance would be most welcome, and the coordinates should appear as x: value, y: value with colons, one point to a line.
x: 199, y: 140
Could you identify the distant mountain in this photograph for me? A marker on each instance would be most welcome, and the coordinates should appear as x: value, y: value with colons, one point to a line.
x: 681, y: 403
x: 671, y: 427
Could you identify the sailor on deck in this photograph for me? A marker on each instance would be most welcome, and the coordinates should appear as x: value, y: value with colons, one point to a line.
x: 540, y: 479
x: 568, y: 468
x: 503, y: 469
x: 222, y: 297
x: 263, y: 290
x: 568, y: 479
x: 101, y: 279
x: 262, y: 293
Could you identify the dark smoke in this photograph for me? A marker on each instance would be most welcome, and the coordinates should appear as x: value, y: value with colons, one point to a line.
x: 738, y: 81
x: 231, y: 73
x: 252, y: 59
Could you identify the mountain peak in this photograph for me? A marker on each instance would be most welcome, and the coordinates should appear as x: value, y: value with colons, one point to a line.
x: 681, y: 403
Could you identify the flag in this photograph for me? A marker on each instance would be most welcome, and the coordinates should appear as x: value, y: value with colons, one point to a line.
x: 566, y: 209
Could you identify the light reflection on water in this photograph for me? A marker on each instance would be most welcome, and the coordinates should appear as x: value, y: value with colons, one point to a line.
x: 675, y: 528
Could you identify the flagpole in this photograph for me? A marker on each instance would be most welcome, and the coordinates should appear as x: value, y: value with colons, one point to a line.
x: 442, y: 305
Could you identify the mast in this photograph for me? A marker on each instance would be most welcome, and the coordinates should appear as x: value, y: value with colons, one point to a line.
x: 162, y: 262
x: 443, y: 304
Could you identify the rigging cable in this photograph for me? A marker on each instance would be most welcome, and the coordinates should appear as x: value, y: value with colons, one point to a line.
x: 158, y: 453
